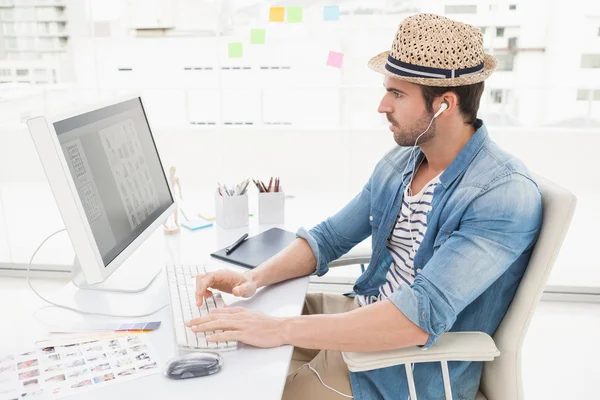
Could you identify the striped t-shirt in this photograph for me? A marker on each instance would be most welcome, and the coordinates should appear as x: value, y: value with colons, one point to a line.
x: 413, y: 221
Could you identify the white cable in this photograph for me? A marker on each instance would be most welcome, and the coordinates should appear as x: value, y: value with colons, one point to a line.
x: 71, y: 308
x: 323, y: 383
x: 412, y: 367
x: 412, y: 151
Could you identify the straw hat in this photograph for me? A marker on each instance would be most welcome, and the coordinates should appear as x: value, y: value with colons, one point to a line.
x: 433, y: 50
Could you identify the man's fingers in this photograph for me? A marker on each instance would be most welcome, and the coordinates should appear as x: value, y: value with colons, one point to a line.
x: 202, y: 282
x: 227, y: 310
x: 227, y: 336
x: 220, y: 324
x: 243, y: 290
x: 217, y: 313
x: 200, y: 297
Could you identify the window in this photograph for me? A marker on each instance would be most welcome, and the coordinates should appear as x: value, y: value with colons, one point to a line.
x: 48, y: 43
x: 505, y: 61
x: 5, y: 72
x: 24, y: 13
x: 43, y: 27
x: 40, y: 73
x: 6, y: 15
x: 460, y: 9
x: 496, y: 96
x: 512, y: 43
x: 8, y: 28
x: 48, y: 13
x: 500, y: 32
x: 590, y: 61
x: 21, y: 55
x: 586, y: 94
x: 583, y: 94
x: 22, y: 72
x: 25, y: 28
x: 599, y: 31
x: 512, y: 7
x: 10, y: 43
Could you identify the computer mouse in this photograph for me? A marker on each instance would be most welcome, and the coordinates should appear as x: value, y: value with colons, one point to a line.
x: 193, y: 365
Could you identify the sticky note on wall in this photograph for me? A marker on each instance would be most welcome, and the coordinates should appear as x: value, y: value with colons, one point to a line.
x: 236, y: 50
x: 335, y: 59
x: 331, y: 13
x: 277, y: 14
x: 294, y: 14
x: 257, y: 36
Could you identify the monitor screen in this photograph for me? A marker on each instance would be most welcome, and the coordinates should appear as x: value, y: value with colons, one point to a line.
x: 117, y: 171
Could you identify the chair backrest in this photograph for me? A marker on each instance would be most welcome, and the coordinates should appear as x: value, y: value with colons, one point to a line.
x: 502, y: 377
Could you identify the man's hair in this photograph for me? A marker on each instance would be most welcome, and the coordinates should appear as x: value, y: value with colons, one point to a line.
x: 468, y: 98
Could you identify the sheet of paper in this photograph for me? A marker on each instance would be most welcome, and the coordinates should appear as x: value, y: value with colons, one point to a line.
x: 67, y: 367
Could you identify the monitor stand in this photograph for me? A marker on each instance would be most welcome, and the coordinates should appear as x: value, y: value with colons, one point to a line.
x: 135, y: 274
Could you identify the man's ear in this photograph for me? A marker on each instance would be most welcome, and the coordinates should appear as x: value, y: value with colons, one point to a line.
x: 451, y: 100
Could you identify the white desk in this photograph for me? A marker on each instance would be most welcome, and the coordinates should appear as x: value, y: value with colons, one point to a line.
x: 248, y: 373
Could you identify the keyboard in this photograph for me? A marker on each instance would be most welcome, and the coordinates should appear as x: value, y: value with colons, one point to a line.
x: 182, y: 294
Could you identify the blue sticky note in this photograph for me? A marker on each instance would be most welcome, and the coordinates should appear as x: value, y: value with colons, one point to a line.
x: 197, y: 224
x: 331, y: 13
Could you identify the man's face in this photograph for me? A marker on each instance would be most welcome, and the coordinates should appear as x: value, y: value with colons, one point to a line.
x: 405, y: 109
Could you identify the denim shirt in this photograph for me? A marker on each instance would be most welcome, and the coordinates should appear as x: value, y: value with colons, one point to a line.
x: 486, y: 216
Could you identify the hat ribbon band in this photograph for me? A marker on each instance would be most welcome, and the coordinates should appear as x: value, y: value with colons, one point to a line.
x: 417, y: 71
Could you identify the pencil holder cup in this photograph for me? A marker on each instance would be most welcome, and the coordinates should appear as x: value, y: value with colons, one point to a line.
x: 271, y: 208
x: 231, y: 212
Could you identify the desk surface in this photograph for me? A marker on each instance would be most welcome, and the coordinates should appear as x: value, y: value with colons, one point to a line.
x: 248, y: 372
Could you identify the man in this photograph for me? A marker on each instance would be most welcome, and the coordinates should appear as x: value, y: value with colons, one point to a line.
x: 450, y: 241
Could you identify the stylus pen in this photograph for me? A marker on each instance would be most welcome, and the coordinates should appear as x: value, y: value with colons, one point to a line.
x: 230, y: 249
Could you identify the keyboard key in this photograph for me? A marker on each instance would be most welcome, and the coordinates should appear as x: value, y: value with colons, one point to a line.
x: 201, y: 340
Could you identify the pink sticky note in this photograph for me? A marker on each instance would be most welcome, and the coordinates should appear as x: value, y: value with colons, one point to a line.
x: 335, y: 59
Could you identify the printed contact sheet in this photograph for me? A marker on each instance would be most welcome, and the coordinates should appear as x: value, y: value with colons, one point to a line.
x: 73, y: 367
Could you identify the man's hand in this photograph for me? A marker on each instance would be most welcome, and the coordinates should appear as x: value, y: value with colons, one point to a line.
x: 224, y: 280
x: 242, y: 325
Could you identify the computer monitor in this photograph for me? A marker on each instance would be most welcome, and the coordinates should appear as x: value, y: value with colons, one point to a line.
x: 108, y: 181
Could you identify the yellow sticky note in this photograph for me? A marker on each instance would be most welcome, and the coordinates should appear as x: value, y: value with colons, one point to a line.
x: 236, y: 50
x: 294, y: 14
x: 277, y: 14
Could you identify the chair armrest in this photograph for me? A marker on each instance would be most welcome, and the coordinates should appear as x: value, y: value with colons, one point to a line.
x: 356, y: 256
x: 451, y: 346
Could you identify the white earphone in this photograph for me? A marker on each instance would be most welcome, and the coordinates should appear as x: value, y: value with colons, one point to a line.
x: 443, y: 108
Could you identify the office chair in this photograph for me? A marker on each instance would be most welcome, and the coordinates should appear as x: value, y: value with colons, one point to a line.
x: 502, y: 375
